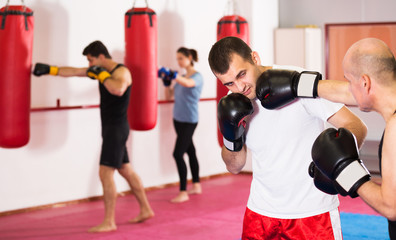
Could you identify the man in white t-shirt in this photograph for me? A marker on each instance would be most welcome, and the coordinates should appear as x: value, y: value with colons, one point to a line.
x: 279, y: 130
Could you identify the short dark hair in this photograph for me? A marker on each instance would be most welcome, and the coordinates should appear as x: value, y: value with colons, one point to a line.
x: 95, y: 49
x: 221, y: 52
x: 189, y: 52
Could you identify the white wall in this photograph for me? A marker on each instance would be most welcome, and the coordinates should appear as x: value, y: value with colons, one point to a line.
x: 305, y: 12
x: 60, y: 163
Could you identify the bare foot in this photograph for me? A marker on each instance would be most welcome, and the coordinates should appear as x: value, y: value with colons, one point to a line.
x: 143, y: 216
x: 196, y: 189
x: 181, y: 197
x: 103, y: 227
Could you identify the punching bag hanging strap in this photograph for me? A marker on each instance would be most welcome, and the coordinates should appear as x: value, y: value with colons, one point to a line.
x: 134, y: 2
x: 15, y: 12
x: 231, y: 8
x: 129, y: 14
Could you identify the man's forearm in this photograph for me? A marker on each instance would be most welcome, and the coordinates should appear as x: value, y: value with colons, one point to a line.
x: 72, y: 71
x: 336, y: 91
x: 234, y: 161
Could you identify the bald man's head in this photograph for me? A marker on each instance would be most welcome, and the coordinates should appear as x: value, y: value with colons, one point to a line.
x: 372, y: 57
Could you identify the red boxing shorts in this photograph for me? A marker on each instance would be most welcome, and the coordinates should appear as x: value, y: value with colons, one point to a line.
x: 323, y: 226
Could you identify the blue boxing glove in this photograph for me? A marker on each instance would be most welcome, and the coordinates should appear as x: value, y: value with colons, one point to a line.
x: 166, y: 75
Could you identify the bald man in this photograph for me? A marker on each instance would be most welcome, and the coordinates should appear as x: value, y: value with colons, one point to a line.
x: 370, y: 70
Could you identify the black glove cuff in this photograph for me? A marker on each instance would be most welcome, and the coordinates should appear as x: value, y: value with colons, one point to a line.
x: 352, y: 177
x: 353, y: 192
x: 308, y: 84
x: 235, y: 145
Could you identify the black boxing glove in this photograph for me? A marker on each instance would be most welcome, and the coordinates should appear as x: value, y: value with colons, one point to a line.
x: 43, y: 69
x: 335, y: 154
x: 321, y: 181
x: 231, y: 112
x: 276, y: 88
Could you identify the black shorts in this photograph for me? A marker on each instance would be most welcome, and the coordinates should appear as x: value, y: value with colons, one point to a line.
x: 392, y: 229
x: 114, y: 152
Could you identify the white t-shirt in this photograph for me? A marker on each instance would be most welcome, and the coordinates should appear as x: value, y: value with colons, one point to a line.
x: 280, y: 142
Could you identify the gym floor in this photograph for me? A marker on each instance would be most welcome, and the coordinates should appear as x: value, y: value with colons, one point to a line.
x: 215, y: 214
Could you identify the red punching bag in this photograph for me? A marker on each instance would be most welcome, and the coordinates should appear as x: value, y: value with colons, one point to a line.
x: 141, y: 59
x: 236, y: 26
x: 16, y: 44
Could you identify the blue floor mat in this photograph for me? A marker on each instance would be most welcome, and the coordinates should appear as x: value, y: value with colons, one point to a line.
x: 361, y: 226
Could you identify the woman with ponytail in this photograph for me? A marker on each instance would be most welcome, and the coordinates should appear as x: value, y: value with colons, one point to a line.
x: 185, y: 89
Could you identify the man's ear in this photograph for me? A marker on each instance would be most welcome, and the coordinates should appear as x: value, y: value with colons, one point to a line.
x: 365, y: 83
x: 101, y: 56
x: 256, y: 58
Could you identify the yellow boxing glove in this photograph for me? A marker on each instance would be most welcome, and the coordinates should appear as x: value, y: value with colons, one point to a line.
x: 99, y: 73
x: 42, y: 69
